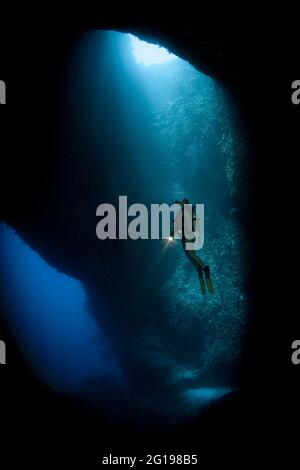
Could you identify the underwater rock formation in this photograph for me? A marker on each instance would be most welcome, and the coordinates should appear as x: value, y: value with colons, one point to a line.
x: 163, y: 332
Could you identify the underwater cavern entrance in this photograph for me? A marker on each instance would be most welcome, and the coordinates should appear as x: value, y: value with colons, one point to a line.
x: 156, y: 132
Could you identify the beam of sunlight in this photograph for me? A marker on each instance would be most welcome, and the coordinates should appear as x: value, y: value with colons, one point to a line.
x: 149, y: 54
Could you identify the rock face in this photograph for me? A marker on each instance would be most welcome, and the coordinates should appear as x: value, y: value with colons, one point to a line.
x: 60, y: 181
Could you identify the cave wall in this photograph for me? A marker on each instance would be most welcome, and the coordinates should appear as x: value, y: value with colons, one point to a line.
x: 221, y: 53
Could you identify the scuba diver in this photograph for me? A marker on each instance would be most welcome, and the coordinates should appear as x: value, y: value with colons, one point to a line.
x: 178, y: 227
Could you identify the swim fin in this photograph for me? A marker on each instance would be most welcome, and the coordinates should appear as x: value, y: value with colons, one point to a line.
x: 202, y: 282
x: 210, y: 287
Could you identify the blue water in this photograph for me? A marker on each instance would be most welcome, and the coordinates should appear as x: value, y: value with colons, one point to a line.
x: 156, y: 132
x: 199, y: 396
x: 47, y: 311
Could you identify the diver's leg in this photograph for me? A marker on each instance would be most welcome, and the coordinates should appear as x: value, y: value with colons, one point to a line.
x: 201, y: 279
x: 201, y: 267
x: 209, y: 284
x: 195, y: 259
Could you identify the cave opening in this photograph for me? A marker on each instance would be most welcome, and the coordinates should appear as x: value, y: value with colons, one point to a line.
x: 148, y: 54
x: 141, y: 122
